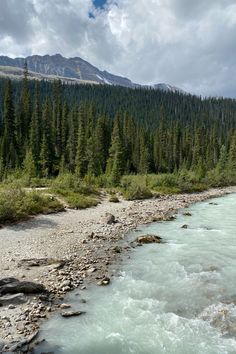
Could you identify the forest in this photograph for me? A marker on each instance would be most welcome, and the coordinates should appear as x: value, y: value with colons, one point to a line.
x: 47, y: 129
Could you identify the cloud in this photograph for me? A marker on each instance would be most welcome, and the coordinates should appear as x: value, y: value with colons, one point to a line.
x: 187, y: 43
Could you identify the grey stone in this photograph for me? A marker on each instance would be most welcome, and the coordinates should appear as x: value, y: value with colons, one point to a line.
x: 144, y: 239
x: 15, y: 286
x: 72, y: 313
x: 15, y: 299
x: 108, y: 219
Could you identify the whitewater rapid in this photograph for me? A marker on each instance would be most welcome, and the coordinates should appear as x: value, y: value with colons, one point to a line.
x: 177, y: 297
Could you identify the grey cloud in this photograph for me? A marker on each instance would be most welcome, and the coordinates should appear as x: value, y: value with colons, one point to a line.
x: 183, y: 42
x: 15, y: 19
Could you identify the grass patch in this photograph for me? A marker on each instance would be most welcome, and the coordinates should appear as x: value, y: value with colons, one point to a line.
x: 76, y: 200
x: 17, y: 204
x: 77, y: 193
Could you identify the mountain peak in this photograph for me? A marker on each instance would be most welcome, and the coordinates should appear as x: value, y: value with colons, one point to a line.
x: 75, y: 69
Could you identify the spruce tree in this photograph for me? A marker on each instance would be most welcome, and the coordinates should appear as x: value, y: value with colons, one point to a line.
x: 29, y: 169
x: 44, y: 158
x: 81, y: 154
x: 8, y: 144
x: 144, y: 160
x: 115, y: 164
x: 35, y: 131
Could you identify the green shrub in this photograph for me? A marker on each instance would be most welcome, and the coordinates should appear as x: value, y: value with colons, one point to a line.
x: 71, y: 182
x: 114, y: 199
x: 81, y: 202
x: 134, y: 187
x: 17, y: 204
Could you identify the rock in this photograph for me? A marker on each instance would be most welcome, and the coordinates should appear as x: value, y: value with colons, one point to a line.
x: 92, y: 235
x: 5, y: 281
x: 117, y: 249
x: 169, y: 218
x: 148, y: 239
x: 184, y: 226
x: 15, y: 286
x: 66, y: 288
x: 72, y: 313
x: 212, y: 269
x: 65, y: 306
x: 187, y: 214
x: 12, y: 300
x: 20, y: 326
x: 108, y: 219
x: 65, y: 283
x: 11, y: 307
x: 33, y: 262
x: 39, y: 262
x: 104, y: 281
x: 91, y: 270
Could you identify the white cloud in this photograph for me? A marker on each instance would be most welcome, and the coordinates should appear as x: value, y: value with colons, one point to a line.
x: 187, y: 43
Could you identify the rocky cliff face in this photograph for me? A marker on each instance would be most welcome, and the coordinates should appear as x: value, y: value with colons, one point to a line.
x: 68, y: 69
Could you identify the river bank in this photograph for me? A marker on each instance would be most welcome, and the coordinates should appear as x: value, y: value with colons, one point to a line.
x: 77, y: 247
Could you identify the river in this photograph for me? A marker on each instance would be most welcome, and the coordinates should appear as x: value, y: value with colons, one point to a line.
x: 177, y: 297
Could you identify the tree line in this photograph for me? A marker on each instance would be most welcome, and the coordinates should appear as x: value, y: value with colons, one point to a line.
x: 93, y: 130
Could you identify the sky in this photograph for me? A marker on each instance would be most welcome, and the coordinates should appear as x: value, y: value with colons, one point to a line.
x: 99, y: 3
x: 187, y: 43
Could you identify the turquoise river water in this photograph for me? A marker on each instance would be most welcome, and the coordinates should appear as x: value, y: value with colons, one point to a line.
x: 177, y: 297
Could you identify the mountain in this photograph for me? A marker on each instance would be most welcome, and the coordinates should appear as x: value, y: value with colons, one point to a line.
x: 68, y: 70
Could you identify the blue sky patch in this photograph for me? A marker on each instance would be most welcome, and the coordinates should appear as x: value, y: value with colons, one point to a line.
x: 99, y: 3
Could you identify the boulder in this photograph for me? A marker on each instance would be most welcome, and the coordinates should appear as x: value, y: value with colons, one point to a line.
x: 144, y: 239
x: 187, y: 214
x: 14, y: 286
x: 5, y: 281
x: 14, y: 299
x: 108, y: 219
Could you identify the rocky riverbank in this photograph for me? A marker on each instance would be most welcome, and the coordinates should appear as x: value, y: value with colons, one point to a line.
x: 66, y: 251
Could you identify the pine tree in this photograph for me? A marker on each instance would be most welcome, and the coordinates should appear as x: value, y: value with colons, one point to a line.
x: 24, y: 112
x: 144, y: 161
x: 29, y: 169
x: 8, y: 145
x: 47, y: 152
x: 81, y: 154
x: 222, y: 166
x: 115, y: 164
x: 44, y: 158
x: 101, y: 145
x: 35, y: 133
x: 71, y: 145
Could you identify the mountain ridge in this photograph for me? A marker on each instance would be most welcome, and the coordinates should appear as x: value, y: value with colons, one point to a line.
x: 69, y: 70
